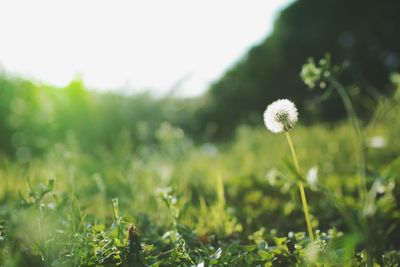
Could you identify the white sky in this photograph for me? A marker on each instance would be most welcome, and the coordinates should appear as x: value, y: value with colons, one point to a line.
x: 134, y: 45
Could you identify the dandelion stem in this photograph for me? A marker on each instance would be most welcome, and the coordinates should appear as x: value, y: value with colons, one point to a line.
x: 306, y: 212
x: 294, y: 155
x: 301, y: 187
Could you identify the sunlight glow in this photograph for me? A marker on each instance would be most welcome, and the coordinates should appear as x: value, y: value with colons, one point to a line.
x: 131, y: 45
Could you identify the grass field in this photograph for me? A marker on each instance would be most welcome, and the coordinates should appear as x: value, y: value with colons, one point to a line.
x: 234, y: 204
x: 182, y: 203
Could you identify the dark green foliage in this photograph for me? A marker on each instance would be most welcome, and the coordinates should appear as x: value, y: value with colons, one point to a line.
x: 391, y: 258
x: 362, y: 33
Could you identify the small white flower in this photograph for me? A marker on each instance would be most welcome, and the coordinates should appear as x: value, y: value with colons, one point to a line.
x: 280, y: 116
x: 312, y: 176
x: 376, y: 142
x: 272, y: 176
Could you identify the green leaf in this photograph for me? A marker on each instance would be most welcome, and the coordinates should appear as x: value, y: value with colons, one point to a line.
x: 279, y: 240
x: 265, y: 255
x: 249, y: 248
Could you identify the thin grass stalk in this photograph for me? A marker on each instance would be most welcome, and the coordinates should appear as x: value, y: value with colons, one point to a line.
x: 361, y: 158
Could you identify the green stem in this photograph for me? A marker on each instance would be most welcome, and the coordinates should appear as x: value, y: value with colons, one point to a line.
x: 301, y: 187
x: 361, y: 158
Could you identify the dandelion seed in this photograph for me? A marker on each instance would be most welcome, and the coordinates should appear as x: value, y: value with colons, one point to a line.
x: 280, y: 116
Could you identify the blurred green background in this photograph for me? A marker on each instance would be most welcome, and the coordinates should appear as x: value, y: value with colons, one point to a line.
x: 361, y: 34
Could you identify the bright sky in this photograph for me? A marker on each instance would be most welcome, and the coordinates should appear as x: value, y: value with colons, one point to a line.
x: 132, y: 44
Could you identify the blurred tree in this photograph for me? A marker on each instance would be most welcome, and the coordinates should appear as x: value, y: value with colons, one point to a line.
x: 365, y: 33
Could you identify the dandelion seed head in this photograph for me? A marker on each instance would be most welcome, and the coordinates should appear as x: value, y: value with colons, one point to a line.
x: 280, y: 116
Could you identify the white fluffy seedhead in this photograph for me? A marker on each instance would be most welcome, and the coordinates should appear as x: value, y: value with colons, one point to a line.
x: 280, y: 116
